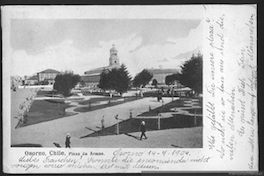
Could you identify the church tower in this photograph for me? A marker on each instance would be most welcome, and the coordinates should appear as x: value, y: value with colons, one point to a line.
x: 113, y: 60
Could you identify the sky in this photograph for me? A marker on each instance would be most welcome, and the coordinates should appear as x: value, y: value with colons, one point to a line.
x: 83, y: 44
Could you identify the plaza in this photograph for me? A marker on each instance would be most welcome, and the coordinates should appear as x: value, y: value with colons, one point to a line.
x: 49, y: 133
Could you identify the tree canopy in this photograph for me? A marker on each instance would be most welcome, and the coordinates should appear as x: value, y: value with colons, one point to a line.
x: 123, y: 80
x: 104, y: 81
x: 170, y: 79
x: 192, y: 73
x: 142, y: 78
x: 65, y: 81
x: 154, y: 82
x: 115, y: 79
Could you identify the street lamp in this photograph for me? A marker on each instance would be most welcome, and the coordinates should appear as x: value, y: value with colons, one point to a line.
x: 194, y: 117
x: 159, y: 121
x: 117, y: 127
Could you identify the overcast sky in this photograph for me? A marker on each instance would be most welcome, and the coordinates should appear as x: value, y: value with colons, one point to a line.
x: 83, y: 44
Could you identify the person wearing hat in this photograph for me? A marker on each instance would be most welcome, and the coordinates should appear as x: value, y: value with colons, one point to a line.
x: 143, y: 130
x: 67, y: 142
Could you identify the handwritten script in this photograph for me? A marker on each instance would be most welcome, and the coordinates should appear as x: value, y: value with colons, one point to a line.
x: 119, y: 160
x: 231, y: 87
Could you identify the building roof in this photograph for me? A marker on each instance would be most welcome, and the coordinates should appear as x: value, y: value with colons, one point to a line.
x: 49, y: 71
x: 95, y: 71
x: 163, y: 71
x: 98, y: 71
x: 113, y: 48
x: 33, y: 78
x: 90, y: 78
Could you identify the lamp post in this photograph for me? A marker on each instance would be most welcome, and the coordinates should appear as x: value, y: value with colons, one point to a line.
x: 117, y: 125
x: 159, y: 122
x: 194, y: 117
x: 172, y: 94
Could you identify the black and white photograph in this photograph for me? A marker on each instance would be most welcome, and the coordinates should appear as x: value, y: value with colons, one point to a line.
x: 130, y: 89
x: 106, y: 83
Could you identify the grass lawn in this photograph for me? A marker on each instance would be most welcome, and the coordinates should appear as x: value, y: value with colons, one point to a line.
x: 133, y: 125
x: 176, y: 121
x: 45, y: 93
x: 197, y: 110
x: 45, y: 110
x: 94, y: 100
x: 169, y: 106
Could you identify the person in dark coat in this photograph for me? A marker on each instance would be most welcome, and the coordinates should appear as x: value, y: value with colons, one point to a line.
x: 102, y: 122
x: 143, y: 130
x: 68, y: 142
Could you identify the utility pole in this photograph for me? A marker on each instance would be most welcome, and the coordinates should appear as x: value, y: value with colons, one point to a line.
x: 117, y: 125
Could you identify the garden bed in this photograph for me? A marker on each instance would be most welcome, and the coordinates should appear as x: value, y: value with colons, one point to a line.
x: 45, y: 110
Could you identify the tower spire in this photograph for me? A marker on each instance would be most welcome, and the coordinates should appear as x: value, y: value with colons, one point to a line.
x: 113, y: 60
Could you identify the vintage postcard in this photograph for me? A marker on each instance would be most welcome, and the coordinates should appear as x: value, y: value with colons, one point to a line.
x: 113, y: 89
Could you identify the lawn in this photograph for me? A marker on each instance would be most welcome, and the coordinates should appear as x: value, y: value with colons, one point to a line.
x: 42, y: 93
x: 97, y: 100
x: 169, y: 106
x: 176, y: 121
x: 133, y: 125
x: 45, y: 110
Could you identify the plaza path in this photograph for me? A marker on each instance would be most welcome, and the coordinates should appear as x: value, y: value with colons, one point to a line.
x: 47, y: 133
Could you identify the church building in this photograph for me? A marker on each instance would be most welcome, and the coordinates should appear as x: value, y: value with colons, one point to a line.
x: 92, y: 77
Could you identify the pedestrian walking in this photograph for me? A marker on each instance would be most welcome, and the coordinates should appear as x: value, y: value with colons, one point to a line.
x: 102, y: 121
x: 143, y: 130
x: 68, y: 142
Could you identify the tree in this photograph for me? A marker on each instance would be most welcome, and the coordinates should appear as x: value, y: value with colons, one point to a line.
x: 104, y: 80
x: 119, y: 79
x: 65, y: 81
x: 124, y: 80
x: 191, y: 73
x: 170, y: 79
x: 82, y: 84
x: 115, y: 79
x: 155, y: 82
x: 142, y: 78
